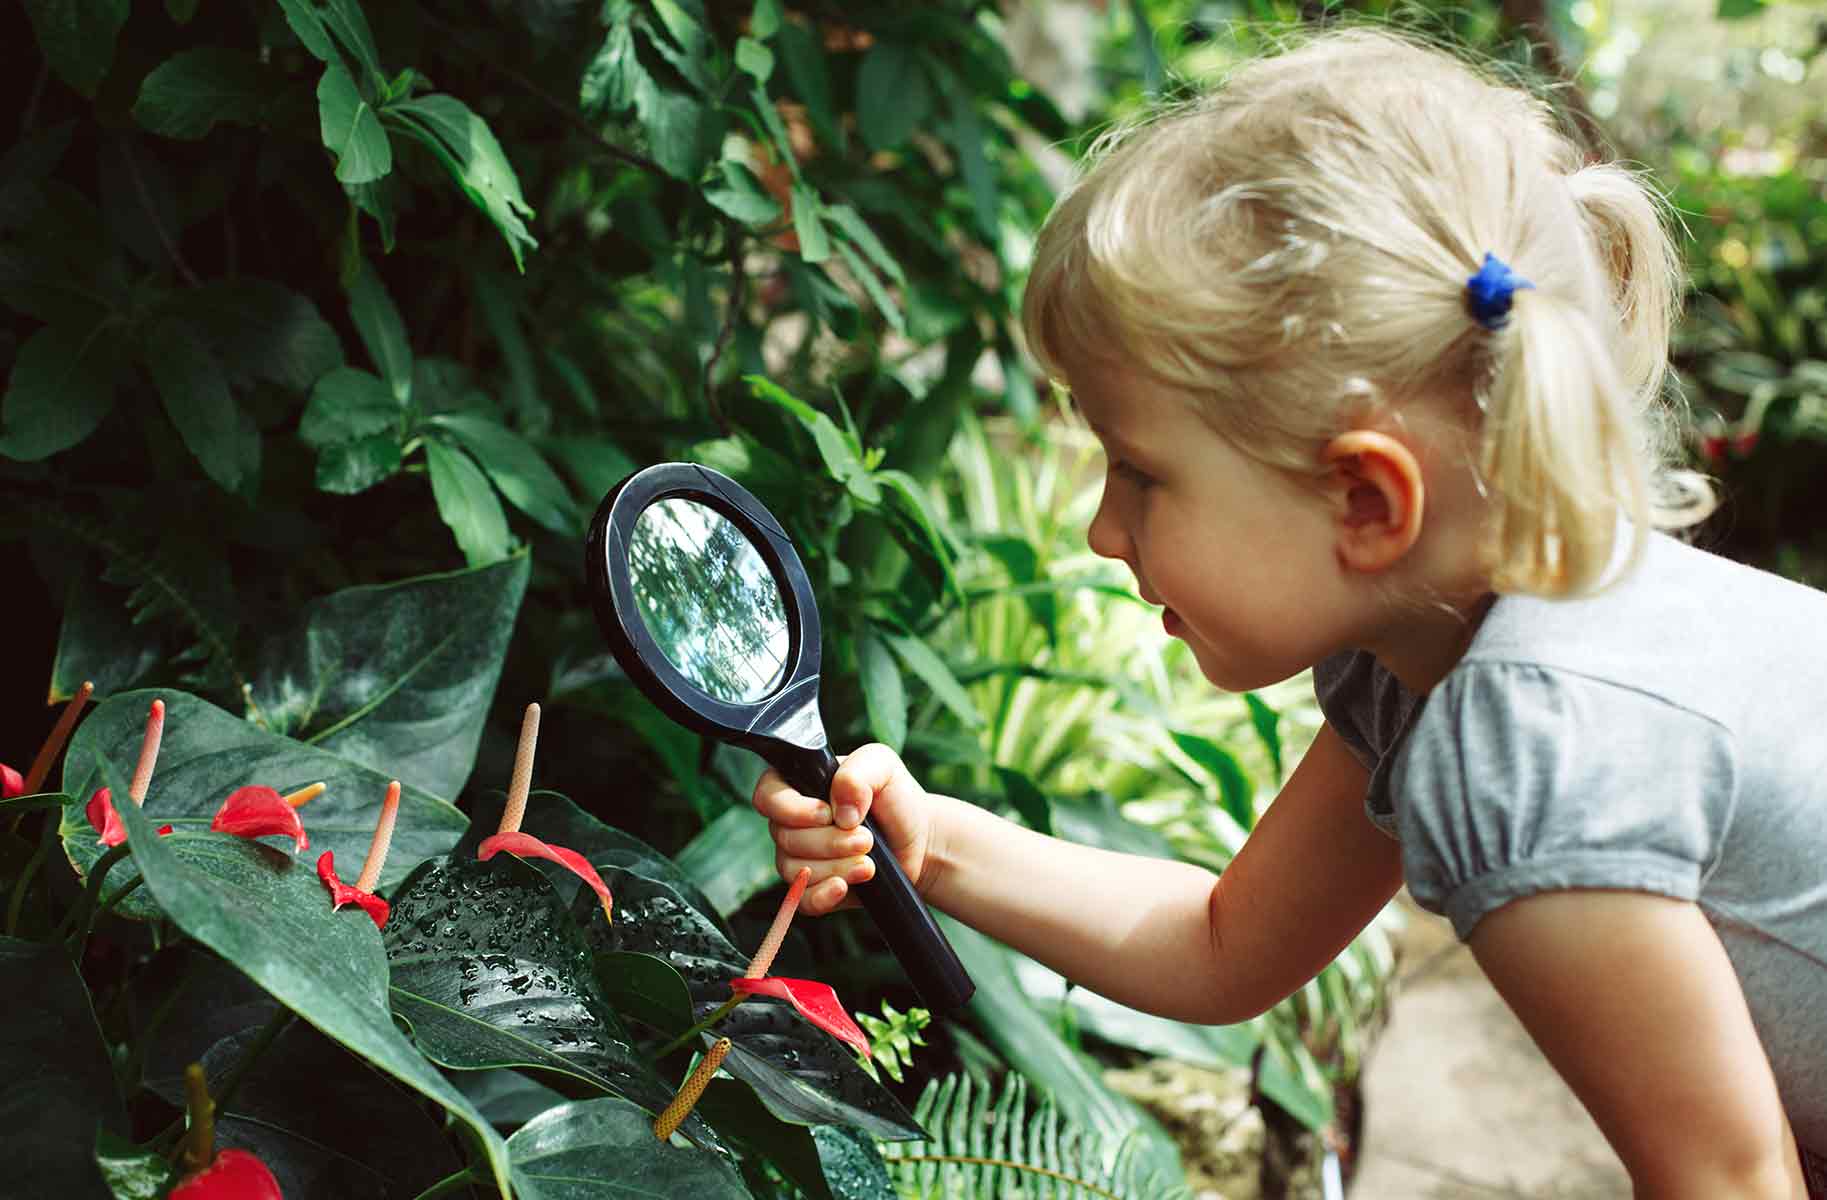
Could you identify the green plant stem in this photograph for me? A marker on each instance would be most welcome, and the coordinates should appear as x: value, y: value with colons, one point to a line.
x: 17, y: 903
x: 448, y: 1184
x: 721, y: 1012
x: 82, y: 916
x: 231, y: 1083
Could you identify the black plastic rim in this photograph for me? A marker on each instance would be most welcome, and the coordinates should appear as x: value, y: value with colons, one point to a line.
x: 612, y: 594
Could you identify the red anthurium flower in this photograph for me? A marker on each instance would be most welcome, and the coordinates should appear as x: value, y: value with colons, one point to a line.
x: 235, y: 1175
x: 525, y: 845
x: 107, y: 822
x: 103, y: 819
x: 260, y: 811
x: 816, y: 1001
x: 341, y: 893
x: 12, y: 783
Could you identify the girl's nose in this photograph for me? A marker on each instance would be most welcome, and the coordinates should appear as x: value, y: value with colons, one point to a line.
x: 1106, y: 537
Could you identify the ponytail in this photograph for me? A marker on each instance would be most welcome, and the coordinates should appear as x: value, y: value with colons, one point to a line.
x: 1578, y: 432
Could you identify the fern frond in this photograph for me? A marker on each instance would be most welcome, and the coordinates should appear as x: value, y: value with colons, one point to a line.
x: 177, y: 582
x: 1002, y: 1148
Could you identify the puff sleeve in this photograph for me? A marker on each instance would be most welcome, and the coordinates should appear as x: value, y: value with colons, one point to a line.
x: 1517, y: 779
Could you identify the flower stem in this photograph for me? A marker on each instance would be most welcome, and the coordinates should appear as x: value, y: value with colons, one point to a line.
x: 231, y: 1083
x: 448, y: 1184
x: 82, y: 916
x: 45, y: 837
x: 200, y: 1142
x: 47, y: 753
x: 718, y: 1014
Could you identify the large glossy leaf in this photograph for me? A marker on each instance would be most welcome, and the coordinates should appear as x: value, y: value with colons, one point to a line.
x: 184, y: 96
x: 397, y: 677
x: 605, y: 1150
x: 801, y: 1073
x: 206, y: 754
x: 555, y: 819
x: 60, y: 388
x: 489, y: 971
x: 1032, y: 1045
x: 266, y: 912
x: 323, y: 1123
x: 59, y: 1086
x: 77, y: 37
x: 463, y: 142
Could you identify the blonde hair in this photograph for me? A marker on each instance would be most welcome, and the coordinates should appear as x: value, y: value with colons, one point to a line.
x: 1293, y: 248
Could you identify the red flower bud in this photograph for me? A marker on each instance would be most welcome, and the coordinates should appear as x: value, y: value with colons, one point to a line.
x: 525, y: 845
x: 341, y: 893
x: 816, y: 1001
x: 1712, y: 449
x: 12, y: 783
x: 235, y: 1175
x: 258, y: 811
x: 1744, y: 443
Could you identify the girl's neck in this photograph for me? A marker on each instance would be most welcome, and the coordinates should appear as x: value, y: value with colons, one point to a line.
x: 1421, y: 647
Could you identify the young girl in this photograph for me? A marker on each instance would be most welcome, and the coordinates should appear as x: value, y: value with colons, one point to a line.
x: 1373, y: 352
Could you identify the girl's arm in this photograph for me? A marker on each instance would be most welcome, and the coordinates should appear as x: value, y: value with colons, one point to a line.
x: 1167, y: 937
x: 1632, y: 998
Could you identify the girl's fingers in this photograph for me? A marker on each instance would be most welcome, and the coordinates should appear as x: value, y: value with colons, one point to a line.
x: 852, y: 870
x: 832, y: 894
x: 776, y: 800
x: 861, y: 776
x: 823, y: 843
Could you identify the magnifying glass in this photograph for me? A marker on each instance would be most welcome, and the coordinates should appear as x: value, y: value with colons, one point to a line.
x: 705, y: 604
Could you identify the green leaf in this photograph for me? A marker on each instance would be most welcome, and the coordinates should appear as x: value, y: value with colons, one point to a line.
x: 195, y: 393
x: 382, y: 331
x: 1235, y: 791
x: 755, y: 58
x: 351, y: 129
x: 765, y: 19
x: 744, y: 198
x: 268, y: 914
x: 605, y: 1150
x: 59, y: 1082
x: 687, y: 46
x: 182, y: 12
x: 307, y: 21
x: 683, y: 132
x: 206, y: 754
x: 966, y: 133
x: 645, y: 987
x: 738, y: 1114
x: 130, y: 1172
x: 883, y: 692
x: 259, y: 329
x: 184, y: 96
x: 1267, y: 723
x: 508, y: 981
x: 555, y: 819
x: 346, y: 468
x: 61, y: 388
x: 932, y: 671
x: 732, y: 858
x: 857, y: 230
x: 802, y: 1073
x: 814, y: 245
x: 24, y: 168
x: 615, y: 75
x: 1005, y: 1010
x: 878, y: 295
x: 804, y: 60
x: 319, y: 1118
x: 892, y: 96
x: 77, y: 37
x: 349, y: 404
x: 835, y: 448
x: 397, y: 677
x: 1290, y: 1077
x: 467, y: 504
x: 502, y: 303
x: 463, y: 142
x: 1028, y: 799
x: 1738, y: 10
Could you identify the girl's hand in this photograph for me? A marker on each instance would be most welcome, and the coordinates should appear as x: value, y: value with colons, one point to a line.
x: 830, y: 838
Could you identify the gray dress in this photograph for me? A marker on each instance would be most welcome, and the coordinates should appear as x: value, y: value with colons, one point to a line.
x: 1668, y: 735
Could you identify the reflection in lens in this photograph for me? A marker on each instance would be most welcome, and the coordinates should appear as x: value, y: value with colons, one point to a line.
x: 708, y: 599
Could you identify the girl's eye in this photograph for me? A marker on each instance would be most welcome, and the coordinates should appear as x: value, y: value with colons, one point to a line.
x: 1132, y: 473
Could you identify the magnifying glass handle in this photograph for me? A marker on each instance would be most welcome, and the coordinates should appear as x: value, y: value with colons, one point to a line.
x: 906, y: 923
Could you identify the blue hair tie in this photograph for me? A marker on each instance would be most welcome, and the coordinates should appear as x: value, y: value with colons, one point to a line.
x: 1489, y: 292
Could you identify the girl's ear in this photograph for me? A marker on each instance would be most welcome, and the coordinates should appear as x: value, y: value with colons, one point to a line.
x: 1378, y: 496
